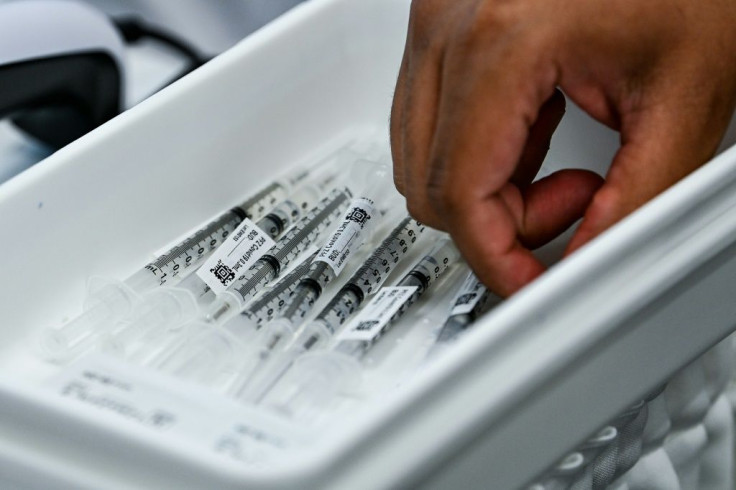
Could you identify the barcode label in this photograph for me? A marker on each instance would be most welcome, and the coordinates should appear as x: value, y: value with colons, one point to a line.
x: 468, y: 296
x: 245, y: 245
x: 347, y: 237
x: 375, y: 316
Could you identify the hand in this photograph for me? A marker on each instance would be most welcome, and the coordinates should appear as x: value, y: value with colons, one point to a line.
x: 476, y: 105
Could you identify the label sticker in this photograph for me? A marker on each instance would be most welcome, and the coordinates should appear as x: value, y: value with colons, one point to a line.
x: 468, y: 296
x: 245, y: 245
x: 347, y: 236
x: 371, y: 320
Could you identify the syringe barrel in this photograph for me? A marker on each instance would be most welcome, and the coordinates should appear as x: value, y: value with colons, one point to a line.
x: 164, y: 309
x: 432, y: 265
x: 289, y: 246
x: 288, y: 211
x: 104, y: 306
x: 379, y: 182
x: 307, y: 229
x: 257, y: 205
x: 421, y: 276
x: 312, y: 384
x: 453, y: 327
x: 270, y: 304
x: 341, y: 307
x: 270, y: 340
x: 192, y: 251
x: 253, y: 280
x: 312, y: 337
x: 308, y: 291
x: 394, y: 248
x: 372, y: 274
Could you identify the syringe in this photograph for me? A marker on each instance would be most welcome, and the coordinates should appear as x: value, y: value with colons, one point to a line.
x: 182, y: 304
x: 317, y: 377
x: 114, y: 300
x: 167, y: 308
x: 470, y: 301
x: 364, y: 282
x: 290, y: 246
x: 295, y: 241
x: 272, y: 301
x: 355, y: 229
x: 127, y: 342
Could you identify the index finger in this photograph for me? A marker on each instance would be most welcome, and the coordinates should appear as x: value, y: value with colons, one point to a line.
x: 484, y: 118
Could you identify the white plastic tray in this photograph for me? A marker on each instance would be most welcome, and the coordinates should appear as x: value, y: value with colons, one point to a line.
x: 536, y: 376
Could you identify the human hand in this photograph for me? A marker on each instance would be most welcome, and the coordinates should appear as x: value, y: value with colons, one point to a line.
x: 475, y: 107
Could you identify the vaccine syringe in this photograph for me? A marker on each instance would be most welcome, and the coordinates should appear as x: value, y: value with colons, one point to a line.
x: 292, y: 244
x: 316, y: 378
x: 352, y: 232
x: 215, y: 289
x: 356, y: 227
x: 470, y: 301
x: 364, y: 282
x: 273, y: 300
x: 169, y: 307
x: 113, y: 300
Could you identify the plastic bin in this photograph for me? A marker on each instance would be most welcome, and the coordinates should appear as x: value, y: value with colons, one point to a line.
x: 538, y: 374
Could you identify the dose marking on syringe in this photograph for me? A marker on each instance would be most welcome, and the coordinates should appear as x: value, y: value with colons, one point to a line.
x: 291, y: 245
x: 195, y: 248
x: 308, y: 291
x: 271, y: 302
x: 372, y: 274
x: 418, y: 279
x: 349, y: 236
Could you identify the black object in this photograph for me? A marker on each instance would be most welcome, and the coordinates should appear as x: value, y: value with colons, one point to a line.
x: 56, y: 100
x: 60, y: 98
x: 133, y: 29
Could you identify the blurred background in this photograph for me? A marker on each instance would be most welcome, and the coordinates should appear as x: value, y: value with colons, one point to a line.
x: 208, y: 27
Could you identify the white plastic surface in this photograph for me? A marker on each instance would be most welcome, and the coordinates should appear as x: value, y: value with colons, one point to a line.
x: 658, y: 285
x: 37, y: 29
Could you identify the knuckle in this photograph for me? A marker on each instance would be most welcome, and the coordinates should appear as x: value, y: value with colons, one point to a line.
x: 491, y: 22
x: 426, y: 19
x: 606, y: 206
x: 447, y: 197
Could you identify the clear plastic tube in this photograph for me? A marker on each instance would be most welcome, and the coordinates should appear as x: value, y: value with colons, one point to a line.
x: 291, y: 245
x: 288, y: 248
x: 167, y: 308
x: 108, y: 303
x: 199, y: 357
x: 357, y: 227
x: 471, y: 300
x: 272, y: 301
x: 314, y: 379
x: 317, y: 333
